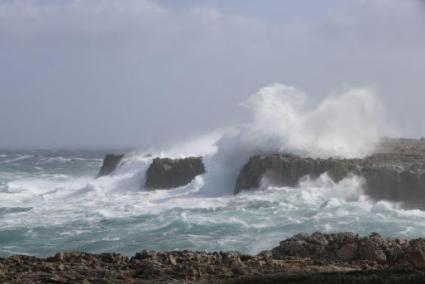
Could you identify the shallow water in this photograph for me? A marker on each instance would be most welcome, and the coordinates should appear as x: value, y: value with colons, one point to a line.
x: 50, y: 201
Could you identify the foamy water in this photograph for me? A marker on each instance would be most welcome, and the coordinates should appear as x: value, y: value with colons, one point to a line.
x: 50, y: 200
x: 48, y: 210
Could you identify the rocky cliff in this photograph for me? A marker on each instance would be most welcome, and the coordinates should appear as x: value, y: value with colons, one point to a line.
x: 110, y: 164
x: 316, y: 258
x: 396, y: 172
x: 165, y: 173
x: 286, y: 170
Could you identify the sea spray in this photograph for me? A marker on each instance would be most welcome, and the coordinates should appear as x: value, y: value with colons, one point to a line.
x: 104, y: 215
x: 281, y: 121
x: 347, y: 125
x: 48, y: 207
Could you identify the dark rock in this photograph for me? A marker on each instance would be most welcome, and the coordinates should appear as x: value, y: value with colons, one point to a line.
x: 415, y: 253
x: 110, y: 164
x: 166, y: 173
x: 286, y: 170
x: 372, y: 249
x: 303, y: 258
x: 396, y: 176
x: 349, y: 247
x: 354, y: 277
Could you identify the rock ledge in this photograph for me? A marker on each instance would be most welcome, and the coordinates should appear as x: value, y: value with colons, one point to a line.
x: 334, y: 258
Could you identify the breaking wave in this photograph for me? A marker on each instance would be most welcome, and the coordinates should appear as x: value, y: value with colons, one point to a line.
x: 52, y: 202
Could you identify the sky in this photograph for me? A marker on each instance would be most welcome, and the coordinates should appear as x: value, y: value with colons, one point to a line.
x: 136, y: 73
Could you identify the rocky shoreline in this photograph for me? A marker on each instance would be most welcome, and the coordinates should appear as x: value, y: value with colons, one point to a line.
x: 303, y: 258
x: 395, y: 171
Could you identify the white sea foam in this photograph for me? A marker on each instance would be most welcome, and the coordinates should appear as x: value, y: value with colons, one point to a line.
x: 116, y: 212
x: 250, y: 221
x: 345, y: 125
x: 19, y: 158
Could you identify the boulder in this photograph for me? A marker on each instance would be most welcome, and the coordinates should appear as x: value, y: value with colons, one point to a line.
x: 415, y: 253
x: 350, y: 247
x: 110, y: 164
x: 166, y: 173
x: 340, y: 246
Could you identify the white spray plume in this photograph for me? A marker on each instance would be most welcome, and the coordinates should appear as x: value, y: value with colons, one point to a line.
x: 346, y: 125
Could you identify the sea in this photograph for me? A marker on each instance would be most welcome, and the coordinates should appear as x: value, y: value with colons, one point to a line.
x: 51, y: 201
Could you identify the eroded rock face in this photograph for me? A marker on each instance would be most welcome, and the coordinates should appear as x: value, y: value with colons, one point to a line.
x: 166, y: 173
x: 393, y: 176
x: 110, y: 164
x: 286, y: 170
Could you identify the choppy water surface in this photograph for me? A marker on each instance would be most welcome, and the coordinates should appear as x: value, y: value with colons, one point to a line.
x: 49, y: 202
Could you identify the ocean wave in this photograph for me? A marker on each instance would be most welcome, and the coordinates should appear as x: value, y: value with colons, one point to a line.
x: 17, y: 159
x: 115, y: 211
x: 9, y: 210
x: 60, y: 159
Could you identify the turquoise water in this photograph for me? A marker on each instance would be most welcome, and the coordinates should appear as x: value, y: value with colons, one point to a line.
x: 50, y: 202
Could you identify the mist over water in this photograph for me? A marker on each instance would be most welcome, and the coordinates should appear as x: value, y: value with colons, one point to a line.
x: 341, y: 125
x: 50, y: 201
x: 282, y: 120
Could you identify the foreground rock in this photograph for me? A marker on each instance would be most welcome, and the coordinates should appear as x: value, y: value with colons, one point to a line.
x: 388, y: 252
x: 166, y: 173
x: 397, y: 173
x: 330, y: 258
x: 110, y: 164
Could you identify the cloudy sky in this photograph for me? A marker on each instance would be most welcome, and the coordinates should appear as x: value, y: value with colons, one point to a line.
x: 101, y: 73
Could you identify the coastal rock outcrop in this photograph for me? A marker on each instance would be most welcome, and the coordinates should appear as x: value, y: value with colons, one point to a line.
x: 396, y: 174
x: 351, y: 247
x: 286, y: 170
x: 166, y: 173
x: 110, y: 164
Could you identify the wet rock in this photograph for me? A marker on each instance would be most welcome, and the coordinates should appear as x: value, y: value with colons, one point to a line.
x: 398, y: 175
x: 286, y: 170
x: 110, y: 164
x: 166, y: 173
